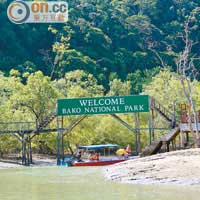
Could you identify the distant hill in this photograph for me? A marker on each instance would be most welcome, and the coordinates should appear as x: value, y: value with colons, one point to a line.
x: 110, y: 39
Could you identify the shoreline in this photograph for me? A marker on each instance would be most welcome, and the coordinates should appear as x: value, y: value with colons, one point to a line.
x: 8, y: 165
x: 173, y: 168
x: 38, y: 161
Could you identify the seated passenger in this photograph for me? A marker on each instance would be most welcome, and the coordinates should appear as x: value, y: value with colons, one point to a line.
x: 91, y: 156
x: 94, y: 156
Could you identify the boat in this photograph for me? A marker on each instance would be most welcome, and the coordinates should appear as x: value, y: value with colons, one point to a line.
x: 106, y: 157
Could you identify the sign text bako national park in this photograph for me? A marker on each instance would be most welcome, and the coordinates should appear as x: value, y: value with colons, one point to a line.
x: 103, y: 105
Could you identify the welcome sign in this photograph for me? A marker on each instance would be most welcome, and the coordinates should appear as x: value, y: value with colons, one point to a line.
x: 103, y: 105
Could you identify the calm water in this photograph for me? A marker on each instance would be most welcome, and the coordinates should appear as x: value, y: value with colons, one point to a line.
x: 59, y: 183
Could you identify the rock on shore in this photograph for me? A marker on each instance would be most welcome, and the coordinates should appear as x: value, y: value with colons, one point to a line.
x: 178, y: 167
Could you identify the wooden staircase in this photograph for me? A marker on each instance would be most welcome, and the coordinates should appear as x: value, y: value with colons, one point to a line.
x: 47, y: 120
x: 163, y: 112
x: 168, y: 116
x: 156, y: 145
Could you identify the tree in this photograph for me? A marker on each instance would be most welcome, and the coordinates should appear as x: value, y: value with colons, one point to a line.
x: 136, y: 80
x: 162, y: 89
x: 79, y: 83
x: 117, y: 87
x: 188, y: 71
x: 38, y: 96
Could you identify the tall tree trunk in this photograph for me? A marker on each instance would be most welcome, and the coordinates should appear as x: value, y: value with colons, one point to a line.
x: 191, y: 102
x: 194, y: 114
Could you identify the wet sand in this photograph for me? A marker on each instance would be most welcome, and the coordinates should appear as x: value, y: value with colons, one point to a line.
x: 37, y: 160
x: 178, y: 167
x: 6, y: 165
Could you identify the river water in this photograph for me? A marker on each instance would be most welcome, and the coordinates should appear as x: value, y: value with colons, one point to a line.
x: 85, y: 183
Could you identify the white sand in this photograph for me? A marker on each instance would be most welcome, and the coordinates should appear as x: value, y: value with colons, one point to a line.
x: 178, y: 167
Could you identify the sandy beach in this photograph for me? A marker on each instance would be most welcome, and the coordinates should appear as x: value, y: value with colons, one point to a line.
x: 178, y: 167
x: 39, y: 161
x: 6, y: 165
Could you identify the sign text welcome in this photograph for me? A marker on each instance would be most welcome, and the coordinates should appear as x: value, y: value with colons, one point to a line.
x: 103, y: 105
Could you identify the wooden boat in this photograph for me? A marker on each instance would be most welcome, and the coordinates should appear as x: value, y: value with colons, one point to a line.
x: 105, y: 157
x: 96, y: 163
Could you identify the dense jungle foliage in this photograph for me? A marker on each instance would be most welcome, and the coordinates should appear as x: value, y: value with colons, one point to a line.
x: 123, y: 39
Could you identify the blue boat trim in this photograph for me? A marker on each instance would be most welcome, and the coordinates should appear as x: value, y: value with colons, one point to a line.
x: 97, y: 147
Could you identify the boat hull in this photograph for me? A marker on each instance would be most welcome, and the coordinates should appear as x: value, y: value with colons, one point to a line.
x: 96, y: 163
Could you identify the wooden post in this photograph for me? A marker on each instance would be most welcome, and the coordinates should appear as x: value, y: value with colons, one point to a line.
x: 31, y: 153
x: 187, y: 138
x: 139, y: 141
x: 62, y: 139
x: 23, y: 161
x: 175, y: 140
x: 153, y: 123
x: 168, y: 144
x: 182, y: 139
x: 136, y: 133
x: 24, y: 153
x: 58, y: 141
x: 173, y: 148
x: 28, y: 153
x: 150, y: 127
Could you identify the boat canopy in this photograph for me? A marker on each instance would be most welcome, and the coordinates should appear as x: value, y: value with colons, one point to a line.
x: 97, y: 147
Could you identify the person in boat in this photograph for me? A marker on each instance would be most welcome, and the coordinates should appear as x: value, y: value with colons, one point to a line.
x: 94, y: 156
x: 90, y: 157
x: 128, y: 149
x: 126, y: 155
x: 122, y: 153
x: 127, y: 152
x: 78, y: 156
x: 97, y: 155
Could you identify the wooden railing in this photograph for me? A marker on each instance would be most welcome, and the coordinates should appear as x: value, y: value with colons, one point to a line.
x: 185, y: 118
x: 167, y: 114
x: 47, y: 120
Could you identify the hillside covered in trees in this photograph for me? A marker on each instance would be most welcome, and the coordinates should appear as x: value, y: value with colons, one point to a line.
x: 126, y: 39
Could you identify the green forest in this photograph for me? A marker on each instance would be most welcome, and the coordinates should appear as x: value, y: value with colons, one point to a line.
x: 107, y: 47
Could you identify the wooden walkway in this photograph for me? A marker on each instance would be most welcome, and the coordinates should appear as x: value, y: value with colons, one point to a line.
x: 156, y: 145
